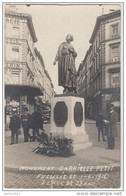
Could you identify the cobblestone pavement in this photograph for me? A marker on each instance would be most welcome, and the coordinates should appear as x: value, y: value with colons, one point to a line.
x: 41, y: 181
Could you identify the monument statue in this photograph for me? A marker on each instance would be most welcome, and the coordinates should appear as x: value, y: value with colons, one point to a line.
x: 67, y: 76
x: 67, y: 111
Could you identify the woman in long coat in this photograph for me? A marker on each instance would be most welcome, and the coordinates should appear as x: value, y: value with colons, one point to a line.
x: 66, y: 65
x: 112, y: 130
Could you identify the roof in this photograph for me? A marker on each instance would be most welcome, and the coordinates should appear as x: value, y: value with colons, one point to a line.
x: 103, y: 18
x: 38, y: 54
x: 29, y: 20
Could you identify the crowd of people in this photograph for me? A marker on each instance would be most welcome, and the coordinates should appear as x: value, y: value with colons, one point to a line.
x: 110, y: 127
x: 34, y: 121
x: 27, y: 121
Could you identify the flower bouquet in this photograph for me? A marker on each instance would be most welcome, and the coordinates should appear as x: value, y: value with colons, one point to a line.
x: 55, y: 146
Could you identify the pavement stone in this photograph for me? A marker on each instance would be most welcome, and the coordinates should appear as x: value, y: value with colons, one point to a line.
x: 33, y: 181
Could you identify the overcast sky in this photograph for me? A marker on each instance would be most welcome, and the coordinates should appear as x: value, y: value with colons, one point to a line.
x: 53, y: 22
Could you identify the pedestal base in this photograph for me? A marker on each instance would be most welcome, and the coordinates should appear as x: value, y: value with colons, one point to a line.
x: 68, y: 120
x: 81, y: 142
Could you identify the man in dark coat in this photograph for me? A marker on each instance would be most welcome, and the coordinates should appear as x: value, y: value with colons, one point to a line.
x: 25, y: 124
x: 112, y: 129
x: 14, y: 126
x: 37, y: 123
x: 100, y: 125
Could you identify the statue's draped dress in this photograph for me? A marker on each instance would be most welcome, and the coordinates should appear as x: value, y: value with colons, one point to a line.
x: 66, y: 65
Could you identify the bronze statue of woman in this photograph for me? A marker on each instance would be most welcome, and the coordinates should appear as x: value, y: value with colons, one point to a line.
x: 66, y: 55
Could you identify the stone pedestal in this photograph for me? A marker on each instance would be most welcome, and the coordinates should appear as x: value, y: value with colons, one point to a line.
x: 68, y: 119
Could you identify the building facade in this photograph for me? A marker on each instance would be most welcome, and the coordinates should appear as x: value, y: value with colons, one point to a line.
x: 45, y: 83
x: 24, y: 69
x: 99, y: 80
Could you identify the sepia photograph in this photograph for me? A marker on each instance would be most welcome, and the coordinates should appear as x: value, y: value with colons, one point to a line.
x: 62, y: 97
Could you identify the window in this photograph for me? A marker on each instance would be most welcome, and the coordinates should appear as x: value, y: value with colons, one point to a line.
x: 114, y: 79
x: 16, y: 31
x: 99, y: 39
x: 15, y: 53
x: 16, y: 78
x: 115, y: 53
x: 97, y: 62
x: 115, y: 30
x: 91, y: 72
x: 95, y: 65
x: 15, y: 49
x: 96, y: 45
x: 94, y: 49
x: 99, y: 58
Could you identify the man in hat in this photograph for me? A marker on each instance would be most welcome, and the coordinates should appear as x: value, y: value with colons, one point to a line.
x: 14, y: 126
x: 100, y: 125
x: 25, y: 123
x: 112, y: 129
x: 37, y: 123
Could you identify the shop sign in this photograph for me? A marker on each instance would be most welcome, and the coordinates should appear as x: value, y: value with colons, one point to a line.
x: 13, y: 21
x: 10, y: 66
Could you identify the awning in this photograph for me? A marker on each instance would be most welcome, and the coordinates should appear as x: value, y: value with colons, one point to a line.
x: 22, y: 90
x: 107, y: 91
x: 111, y: 90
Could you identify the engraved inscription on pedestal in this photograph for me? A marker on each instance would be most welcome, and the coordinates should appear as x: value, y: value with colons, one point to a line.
x: 60, y: 114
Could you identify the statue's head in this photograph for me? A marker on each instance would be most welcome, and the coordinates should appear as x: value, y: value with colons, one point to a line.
x: 69, y: 37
